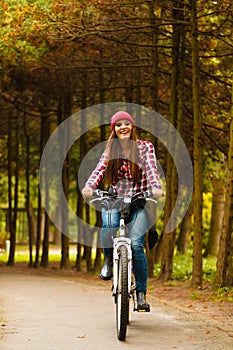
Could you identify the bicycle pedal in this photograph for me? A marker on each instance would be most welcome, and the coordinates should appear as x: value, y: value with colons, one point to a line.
x: 144, y: 309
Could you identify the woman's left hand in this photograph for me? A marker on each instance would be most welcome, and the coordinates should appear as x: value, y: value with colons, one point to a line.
x: 157, y: 193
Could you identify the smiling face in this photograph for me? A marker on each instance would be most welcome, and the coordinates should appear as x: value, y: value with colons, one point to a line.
x: 123, y: 129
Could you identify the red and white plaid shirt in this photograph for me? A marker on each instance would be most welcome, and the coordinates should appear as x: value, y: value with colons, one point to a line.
x: 124, y: 184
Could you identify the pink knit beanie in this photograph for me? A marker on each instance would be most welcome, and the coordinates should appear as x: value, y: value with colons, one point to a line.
x: 121, y: 115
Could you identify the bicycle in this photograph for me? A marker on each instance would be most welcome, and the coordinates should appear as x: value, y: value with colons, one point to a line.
x: 123, y: 289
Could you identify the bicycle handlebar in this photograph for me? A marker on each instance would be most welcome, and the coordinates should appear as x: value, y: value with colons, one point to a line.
x: 100, y: 195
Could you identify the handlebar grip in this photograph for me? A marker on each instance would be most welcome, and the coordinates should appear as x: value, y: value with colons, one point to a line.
x: 99, y: 193
x: 149, y: 194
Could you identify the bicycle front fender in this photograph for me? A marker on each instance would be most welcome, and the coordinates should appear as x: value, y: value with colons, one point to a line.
x: 117, y: 242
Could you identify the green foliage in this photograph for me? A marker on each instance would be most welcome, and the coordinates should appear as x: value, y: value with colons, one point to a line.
x: 3, y: 189
x: 214, y: 168
x: 224, y: 293
x: 22, y: 255
x: 206, y: 214
x: 195, y: 295
x: 182, y: 267
x: 22, y: 25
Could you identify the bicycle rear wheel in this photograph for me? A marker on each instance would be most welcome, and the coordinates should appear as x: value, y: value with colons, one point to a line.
x: 122, y: 297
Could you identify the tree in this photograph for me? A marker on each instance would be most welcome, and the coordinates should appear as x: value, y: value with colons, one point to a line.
x: 224, y: 275
x: 175, y: 116
x: 10, y: 211
x: 185, y: 230
x: 45, y: 251
x: 198, y: 181
x: 217, y: 211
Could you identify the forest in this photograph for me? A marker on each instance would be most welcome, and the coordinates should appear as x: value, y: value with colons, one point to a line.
x: 60, y: 58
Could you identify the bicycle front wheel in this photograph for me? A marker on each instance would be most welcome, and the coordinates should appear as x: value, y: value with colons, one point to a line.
x: 122, y: 297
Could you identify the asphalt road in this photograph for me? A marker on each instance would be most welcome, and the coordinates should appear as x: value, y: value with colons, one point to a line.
x: 58, y: 312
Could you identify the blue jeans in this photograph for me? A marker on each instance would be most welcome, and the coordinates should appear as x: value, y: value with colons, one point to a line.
x: 137, y: 231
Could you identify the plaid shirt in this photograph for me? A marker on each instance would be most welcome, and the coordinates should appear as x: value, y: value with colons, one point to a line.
x: 124, y: 184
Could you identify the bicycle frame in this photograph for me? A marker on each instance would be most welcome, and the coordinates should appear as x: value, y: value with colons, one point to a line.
x: 122, y: 288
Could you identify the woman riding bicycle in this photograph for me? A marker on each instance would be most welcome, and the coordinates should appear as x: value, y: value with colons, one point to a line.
x: 128, y: 165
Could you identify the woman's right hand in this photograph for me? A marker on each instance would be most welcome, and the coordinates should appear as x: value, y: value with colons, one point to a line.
x: 87, y: 192
x: 157, y: 193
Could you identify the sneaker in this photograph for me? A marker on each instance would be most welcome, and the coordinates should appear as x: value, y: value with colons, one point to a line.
x: 142, y: 304
x: 106, y: 271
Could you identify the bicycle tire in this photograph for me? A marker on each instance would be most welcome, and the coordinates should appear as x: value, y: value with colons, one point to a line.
x: 122, y: 297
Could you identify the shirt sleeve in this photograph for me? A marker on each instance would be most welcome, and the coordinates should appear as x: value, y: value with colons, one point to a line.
x: 151, y: 166
x: 98, y: 173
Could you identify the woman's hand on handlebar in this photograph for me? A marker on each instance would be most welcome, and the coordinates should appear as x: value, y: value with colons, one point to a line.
x: 157, y: 193
x: 87, y: 192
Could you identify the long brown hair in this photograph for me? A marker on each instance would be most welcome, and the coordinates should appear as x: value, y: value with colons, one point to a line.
x: 114, y: 158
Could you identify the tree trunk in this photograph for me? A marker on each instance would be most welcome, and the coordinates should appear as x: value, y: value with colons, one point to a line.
x: 217, y: 211
x: 79, y: 213
x: 16, y: 186
x: 198, y: 175
x: 155, y: 58
x: 28, y: 208
x: 224, y: 275
x: 65, y: 113
x: 39, y: 205
x: 185, y: 229
x: 10, y: 213
x: 64, y: 215
x: 185, y: 226
x: 150, y: 254
x: 98, y: 257
x: 98, y: 260
x: 158, y: 249
x: 171, y: 176
x: 45, y: 246
x: 33, y: 223
x: 88, y: 240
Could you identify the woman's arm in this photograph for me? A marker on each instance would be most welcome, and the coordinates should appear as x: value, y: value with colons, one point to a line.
x: 152, y: 171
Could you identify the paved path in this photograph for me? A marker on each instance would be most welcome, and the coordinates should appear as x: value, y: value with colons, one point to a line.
x: 58, y: 313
